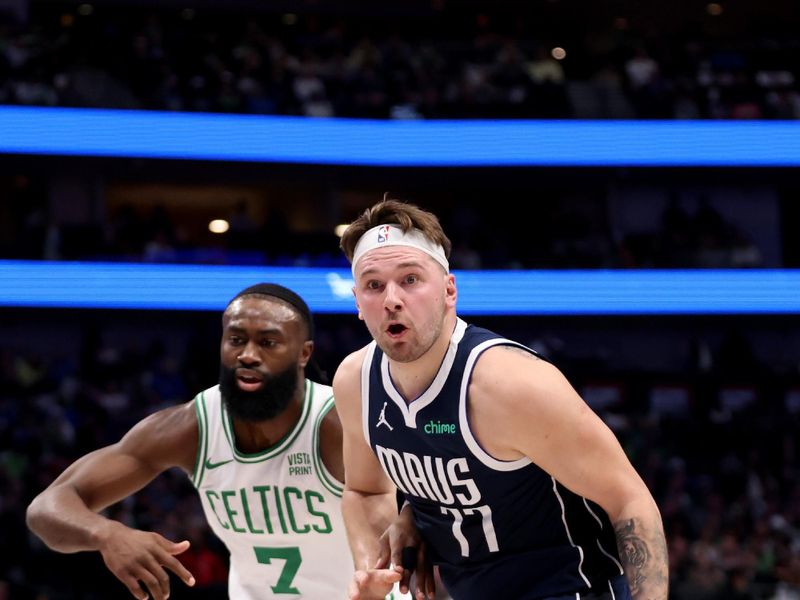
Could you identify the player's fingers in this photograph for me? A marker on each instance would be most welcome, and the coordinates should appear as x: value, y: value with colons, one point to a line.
x: 176, y: 566
x: 408, y: 559
x: 153, y: 586
x: 419, y: 585
x: 172, y: 547
x: 424, y: 588
x: 372, y: 583
x: 430, y: 587
x: 405, y: 581
x: 134, y: 587
x: 353, y: 593
x: 360, y: 579
x: 389, y: 576
x: 180, y: 547
x: 425, y: 585
x: 155, y: 578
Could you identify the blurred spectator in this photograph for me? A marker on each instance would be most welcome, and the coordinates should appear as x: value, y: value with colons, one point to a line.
x: 358, y: 67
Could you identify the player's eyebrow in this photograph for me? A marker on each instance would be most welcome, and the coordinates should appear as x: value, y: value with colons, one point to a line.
x: 268, y: 331
x: 403, y: 265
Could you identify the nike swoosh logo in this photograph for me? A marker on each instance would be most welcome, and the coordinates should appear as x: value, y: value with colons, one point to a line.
x: 212, y: 465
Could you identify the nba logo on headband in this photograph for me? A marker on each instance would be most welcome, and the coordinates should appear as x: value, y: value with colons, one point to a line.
x: 391, y: 234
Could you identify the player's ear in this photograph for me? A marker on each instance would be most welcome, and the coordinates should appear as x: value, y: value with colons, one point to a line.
x: 305, y: 353
x: 450, y: 290
x: 358, y: 306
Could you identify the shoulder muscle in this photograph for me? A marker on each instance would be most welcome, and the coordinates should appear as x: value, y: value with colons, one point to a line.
x: 165, y: 439
x: 512, y: 386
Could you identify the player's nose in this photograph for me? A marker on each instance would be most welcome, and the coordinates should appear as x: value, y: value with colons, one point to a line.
x: 392, y: 299
x: 249, y: 354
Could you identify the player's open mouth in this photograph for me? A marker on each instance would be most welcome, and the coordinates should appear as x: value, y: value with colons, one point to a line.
x: 248, y: 381
x: 396, y: 329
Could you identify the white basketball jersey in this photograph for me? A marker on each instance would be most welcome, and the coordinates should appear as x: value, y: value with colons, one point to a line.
x: 277, y: 511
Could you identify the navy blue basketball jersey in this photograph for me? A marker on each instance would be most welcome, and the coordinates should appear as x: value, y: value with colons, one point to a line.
x: 490, y: 525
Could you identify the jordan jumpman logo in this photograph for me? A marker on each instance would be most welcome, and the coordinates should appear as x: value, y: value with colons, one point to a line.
x: 382, y: 419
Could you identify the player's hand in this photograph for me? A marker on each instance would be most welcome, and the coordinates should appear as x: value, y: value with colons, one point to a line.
x: 373, y: 584
x: 402, y: 545
x: 139, y: 559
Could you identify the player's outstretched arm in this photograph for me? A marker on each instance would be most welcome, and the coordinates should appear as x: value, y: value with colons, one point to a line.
x: 65, y: 515
x: 368, y: 501
x: 543, y: 417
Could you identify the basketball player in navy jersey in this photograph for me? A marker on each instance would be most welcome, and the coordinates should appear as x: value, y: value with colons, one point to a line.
x: 514, y: 484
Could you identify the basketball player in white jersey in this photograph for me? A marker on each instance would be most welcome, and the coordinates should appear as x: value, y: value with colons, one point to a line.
x: 264, y: 450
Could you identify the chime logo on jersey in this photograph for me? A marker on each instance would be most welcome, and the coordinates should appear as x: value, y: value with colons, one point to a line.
x: 439, y: 427
x: 430, y: 477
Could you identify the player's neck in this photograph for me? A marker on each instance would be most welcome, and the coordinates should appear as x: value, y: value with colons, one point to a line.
x: 411, y: 379
x: 256, y: 436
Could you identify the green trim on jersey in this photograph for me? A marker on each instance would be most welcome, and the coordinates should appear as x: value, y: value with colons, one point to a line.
x: 280, y: 445
x: 326, y: 478
x: 202, y: 439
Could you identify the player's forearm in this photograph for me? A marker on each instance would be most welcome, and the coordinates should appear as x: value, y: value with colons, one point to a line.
x: 643, y: 550
x: 366, y: 517
x: 63, y: 521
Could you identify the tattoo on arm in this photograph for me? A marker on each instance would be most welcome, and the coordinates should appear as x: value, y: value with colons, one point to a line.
x: 633, y: 553
x: 644, y: 558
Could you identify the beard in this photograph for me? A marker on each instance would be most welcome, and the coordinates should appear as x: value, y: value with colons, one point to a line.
x: 275, y: 395
x: 424, y: 339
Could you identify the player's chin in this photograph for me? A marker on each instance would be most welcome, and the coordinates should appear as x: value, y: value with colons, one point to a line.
x: 401, y: 355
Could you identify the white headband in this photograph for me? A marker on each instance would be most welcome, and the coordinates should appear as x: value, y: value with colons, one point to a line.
x: 393, y: 235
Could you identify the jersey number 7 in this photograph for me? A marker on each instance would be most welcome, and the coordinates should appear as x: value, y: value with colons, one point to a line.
x: 293, y: 559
